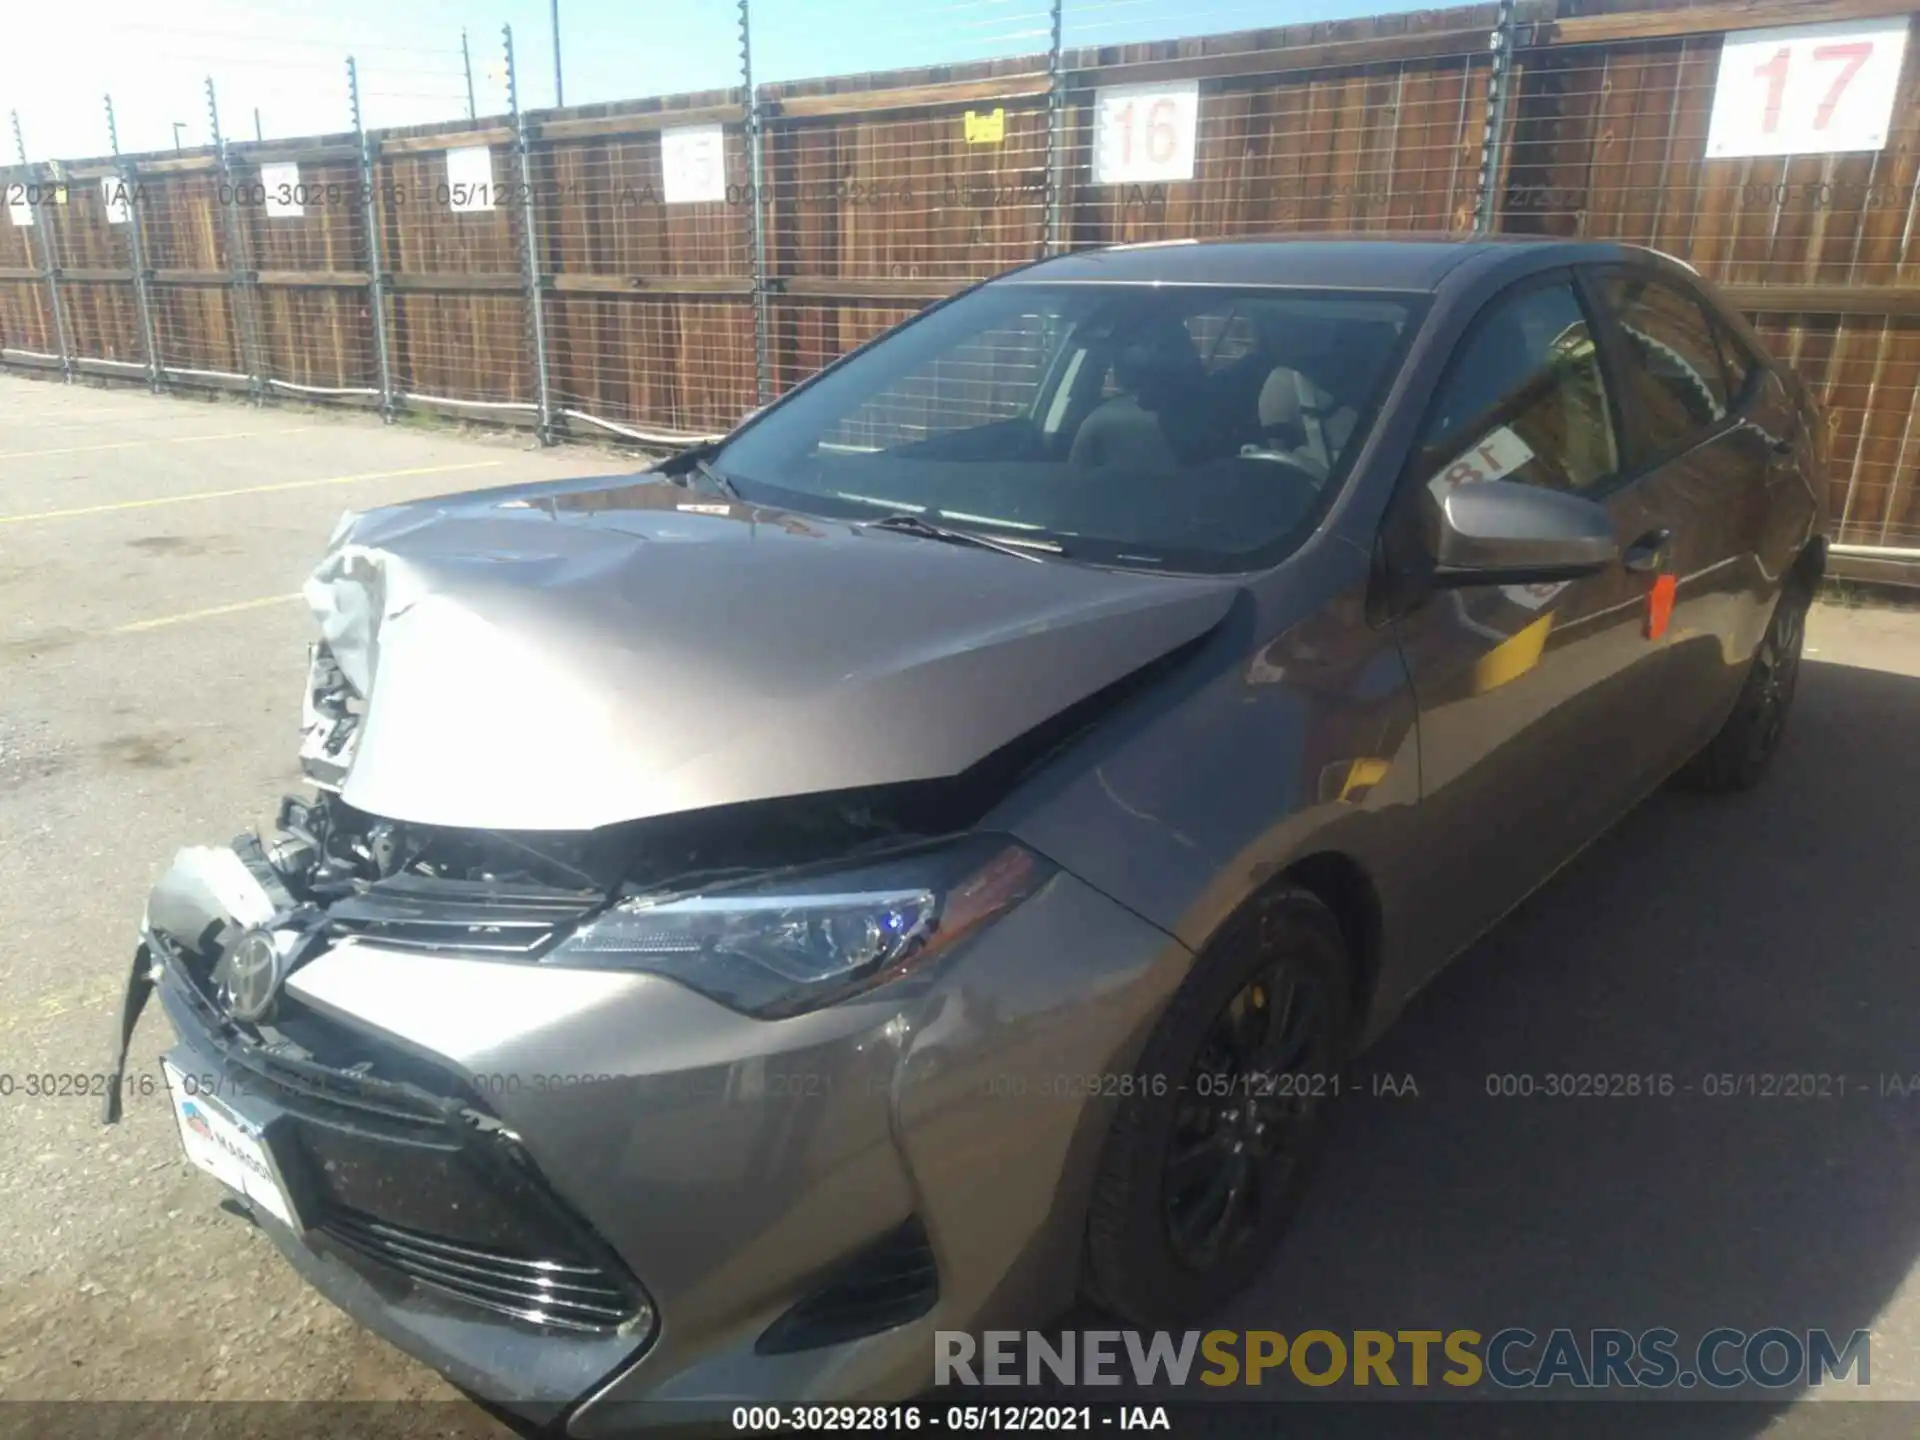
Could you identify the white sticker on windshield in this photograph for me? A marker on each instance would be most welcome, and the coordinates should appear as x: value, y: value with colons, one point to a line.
x: 1499, y: 453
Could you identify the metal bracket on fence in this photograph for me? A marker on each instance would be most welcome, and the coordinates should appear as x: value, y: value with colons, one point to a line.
x: 136, y: 244
x: 376, y: 273
x: 756, y: 188
x: 530, y: 247
x: 1500, y: 42
x: 48, y: 268
x: 242, y: 276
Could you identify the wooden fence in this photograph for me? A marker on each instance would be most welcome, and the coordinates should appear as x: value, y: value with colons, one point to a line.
x: 882, y: 192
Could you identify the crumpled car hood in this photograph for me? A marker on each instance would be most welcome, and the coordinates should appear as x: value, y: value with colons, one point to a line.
x: 562, y: 657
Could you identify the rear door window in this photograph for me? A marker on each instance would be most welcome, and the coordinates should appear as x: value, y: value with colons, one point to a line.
x: 1674, y: 378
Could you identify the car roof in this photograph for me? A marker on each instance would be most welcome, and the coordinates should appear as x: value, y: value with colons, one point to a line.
x: 1358, y: 262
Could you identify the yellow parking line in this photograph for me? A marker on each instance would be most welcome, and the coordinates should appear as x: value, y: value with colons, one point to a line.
x: 162, y: 621
x: 246, y: 490
x: 150, y: 440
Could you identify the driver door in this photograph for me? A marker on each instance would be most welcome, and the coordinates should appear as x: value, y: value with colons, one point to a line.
x: 1529, y: 695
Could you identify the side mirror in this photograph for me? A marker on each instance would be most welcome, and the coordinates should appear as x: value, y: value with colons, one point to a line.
x: 1498, y: 532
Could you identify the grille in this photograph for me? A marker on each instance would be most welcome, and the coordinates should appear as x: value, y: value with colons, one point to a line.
x: 405, y: 1179
x: 566, y: 1296
x: 416, y: 913
x: 894, y: 1282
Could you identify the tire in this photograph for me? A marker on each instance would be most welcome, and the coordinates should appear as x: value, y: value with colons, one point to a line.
x: 1201, y: 1101
x: 1738, y: 756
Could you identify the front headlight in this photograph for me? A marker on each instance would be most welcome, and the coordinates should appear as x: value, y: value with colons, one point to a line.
x: 793, y: 942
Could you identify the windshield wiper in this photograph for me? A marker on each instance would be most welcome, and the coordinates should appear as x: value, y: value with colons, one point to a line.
x: 713, y: 477
x: 906, y: 523
x: 699, y: 465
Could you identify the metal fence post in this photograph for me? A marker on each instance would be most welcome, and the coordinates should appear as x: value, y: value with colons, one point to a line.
x: 376, y: 273
x: 47, y: 266
x: 757, y: 199
x: 1500, y: 42
x: 1056, y: 134
x: 237, y: 267
x: 466, y: 64
x: 536, y: 320
x: 136, y: 244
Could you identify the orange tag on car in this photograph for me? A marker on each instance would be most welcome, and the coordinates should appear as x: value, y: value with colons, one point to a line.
x: 1660, y: 606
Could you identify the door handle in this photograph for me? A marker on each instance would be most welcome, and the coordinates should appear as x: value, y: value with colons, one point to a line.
x: 1650, y: 553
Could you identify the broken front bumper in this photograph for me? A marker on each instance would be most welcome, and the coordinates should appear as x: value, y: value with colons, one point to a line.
x: 764, y: 1194
x: 438, y: 1235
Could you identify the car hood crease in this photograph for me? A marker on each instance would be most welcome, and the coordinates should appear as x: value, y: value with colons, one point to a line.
x: 615, y: 652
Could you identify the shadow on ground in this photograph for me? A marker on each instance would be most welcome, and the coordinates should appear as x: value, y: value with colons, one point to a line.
x: 1756, y: 935
x: 1770, y: 933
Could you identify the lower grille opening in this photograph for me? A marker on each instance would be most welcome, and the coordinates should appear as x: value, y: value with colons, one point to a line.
x: 563, y: 1294
x: 888, y: 1285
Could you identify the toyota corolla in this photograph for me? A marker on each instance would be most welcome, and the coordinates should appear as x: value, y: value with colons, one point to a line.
x: 926, y: 857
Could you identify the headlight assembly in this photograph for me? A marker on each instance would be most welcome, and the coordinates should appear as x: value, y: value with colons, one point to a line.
x: 792, y: 942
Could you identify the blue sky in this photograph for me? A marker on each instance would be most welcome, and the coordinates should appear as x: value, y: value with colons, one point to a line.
x: 285, y: 57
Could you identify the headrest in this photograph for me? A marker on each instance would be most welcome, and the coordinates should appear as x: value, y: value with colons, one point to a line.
x: 1279, y: 398
x: 1159, y: 353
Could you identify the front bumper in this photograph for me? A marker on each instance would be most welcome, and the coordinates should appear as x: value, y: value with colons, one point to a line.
x: 728, y: 1174
x: 415, y: 1229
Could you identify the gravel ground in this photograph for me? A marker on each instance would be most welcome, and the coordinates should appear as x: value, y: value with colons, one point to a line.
x: 132, y: 722
x: 152, y: 653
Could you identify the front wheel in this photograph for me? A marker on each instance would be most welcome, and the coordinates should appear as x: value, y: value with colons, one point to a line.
x: 1737, y: 756
x: 1206, y: 1160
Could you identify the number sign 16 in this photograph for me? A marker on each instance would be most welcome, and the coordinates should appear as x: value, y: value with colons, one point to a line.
x: 1144, y: 134
x: 1807, y: 89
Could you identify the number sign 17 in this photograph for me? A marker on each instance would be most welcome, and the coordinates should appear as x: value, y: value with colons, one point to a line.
x: 1807, y: 89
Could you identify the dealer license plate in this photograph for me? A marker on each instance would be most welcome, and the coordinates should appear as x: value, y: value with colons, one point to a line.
x: 225, y: 1146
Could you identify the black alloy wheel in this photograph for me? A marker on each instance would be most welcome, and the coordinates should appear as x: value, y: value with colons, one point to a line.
x: 1211, y: 1144
x: 1255, y: 1088
x: 1738, y: 755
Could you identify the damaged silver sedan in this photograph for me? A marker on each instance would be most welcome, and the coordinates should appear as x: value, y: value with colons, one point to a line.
x: 928, y: 856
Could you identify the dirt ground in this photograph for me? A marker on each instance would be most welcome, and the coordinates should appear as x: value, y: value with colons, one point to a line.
x: 152, y: 650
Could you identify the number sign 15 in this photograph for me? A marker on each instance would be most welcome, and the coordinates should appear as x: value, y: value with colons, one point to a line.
x: 693, y: 164
x: 470, y: 179
x: 282, y: 195
x: 1807, y: 89
x: 1144, y: 134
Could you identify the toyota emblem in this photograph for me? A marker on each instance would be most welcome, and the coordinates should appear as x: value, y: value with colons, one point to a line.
x: 252, y: 978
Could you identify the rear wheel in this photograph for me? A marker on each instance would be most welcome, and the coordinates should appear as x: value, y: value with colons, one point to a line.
x: 1737, y: 757
x: 1206, y: 1160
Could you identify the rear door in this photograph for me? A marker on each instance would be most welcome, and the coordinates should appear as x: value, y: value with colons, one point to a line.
x: 1701, y: 465
x: 1530, y: 696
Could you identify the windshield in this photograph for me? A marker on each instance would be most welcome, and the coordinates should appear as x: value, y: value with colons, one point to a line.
x: 1191, y: 428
